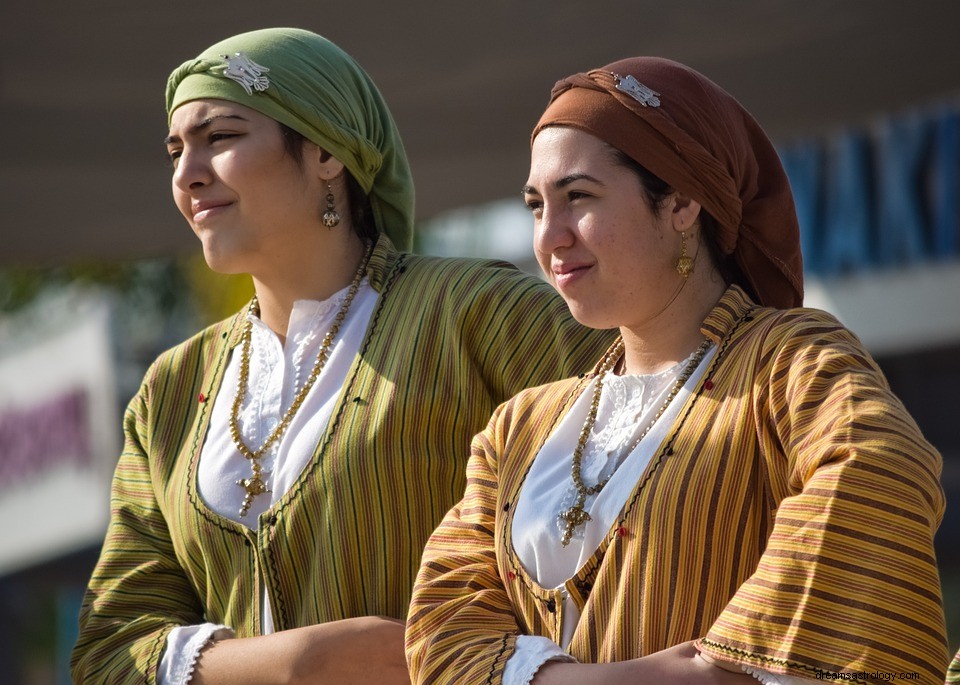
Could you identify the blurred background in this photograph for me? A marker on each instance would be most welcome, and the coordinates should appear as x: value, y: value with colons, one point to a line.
x: 99, y: 273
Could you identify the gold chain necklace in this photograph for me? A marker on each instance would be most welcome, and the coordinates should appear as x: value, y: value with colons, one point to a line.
x: 576, y: 515
x: 256, y: 484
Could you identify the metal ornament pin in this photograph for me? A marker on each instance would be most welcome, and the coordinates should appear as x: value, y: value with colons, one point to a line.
x: 639, y: 92
x: 246, y: 72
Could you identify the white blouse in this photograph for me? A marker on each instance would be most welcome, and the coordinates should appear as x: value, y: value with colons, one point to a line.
x: 277, y: 372
x: 628, y: 404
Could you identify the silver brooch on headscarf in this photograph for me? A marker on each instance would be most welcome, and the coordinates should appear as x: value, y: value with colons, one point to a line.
x: 639, y: 92
x: 246, y: 72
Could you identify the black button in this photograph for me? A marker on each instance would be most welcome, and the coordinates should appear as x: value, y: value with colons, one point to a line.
x: 246, y: 542
x: 669, y: 451
x: 506, y: 507
x: 272, y: 520
x: 584, y: 585
x: 551, y: 606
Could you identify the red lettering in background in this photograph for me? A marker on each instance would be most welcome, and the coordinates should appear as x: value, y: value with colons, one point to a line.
x: 35, y: 439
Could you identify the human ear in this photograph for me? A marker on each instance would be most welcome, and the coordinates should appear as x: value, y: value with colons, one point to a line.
x: 322, y: 163
x: 683, y: 211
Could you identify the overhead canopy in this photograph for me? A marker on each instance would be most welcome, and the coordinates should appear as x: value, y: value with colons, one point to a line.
x: 83, y: 168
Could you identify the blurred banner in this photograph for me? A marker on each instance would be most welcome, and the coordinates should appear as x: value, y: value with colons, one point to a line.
x: 59, y: 428
x: 883, y: 196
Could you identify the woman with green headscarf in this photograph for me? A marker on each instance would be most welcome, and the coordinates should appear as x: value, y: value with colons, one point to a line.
x: 283, y: 468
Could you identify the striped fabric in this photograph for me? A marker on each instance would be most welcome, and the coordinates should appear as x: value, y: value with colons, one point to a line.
x: 786, y: 522
x: 953, y: 672
x: 449, y: 340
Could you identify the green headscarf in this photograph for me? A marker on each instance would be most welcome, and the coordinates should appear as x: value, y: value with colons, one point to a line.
x: 318, y: 90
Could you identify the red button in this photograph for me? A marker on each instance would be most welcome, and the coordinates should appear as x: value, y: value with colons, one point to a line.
x: 511, y: 575
x: 708, y: 384
x: 201, y: 398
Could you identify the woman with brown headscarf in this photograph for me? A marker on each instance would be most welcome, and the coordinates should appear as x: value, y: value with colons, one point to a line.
x: 734, y: 491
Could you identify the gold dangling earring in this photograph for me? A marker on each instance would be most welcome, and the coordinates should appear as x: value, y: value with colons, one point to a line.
x: 331, y: 217
x: 685, y: 263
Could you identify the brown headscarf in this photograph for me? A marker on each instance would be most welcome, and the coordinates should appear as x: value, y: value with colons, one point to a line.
x: 695, y: 136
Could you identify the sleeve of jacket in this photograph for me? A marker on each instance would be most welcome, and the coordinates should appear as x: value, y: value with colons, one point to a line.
x: 953, y: 672
x: 848, y: 581
x: 138, y: 591
x: 461, y: 628
x: 522, y: 334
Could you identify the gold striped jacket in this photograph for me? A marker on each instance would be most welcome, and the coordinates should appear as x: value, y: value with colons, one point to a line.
x: 786, y: 522
x: 448, y: 341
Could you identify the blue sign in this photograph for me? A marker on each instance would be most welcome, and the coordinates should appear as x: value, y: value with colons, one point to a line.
x: 885, y: 197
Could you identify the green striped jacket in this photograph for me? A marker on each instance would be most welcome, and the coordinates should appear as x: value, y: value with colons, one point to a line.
x: 786, y: 522
x: 449, y: 340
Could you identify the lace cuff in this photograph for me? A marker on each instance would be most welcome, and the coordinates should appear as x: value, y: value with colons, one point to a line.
x: 530, y: 654
x: 184, y: 644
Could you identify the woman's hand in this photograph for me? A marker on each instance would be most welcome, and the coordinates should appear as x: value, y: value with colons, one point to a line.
x: 679, y: 665
x: 353, y: 651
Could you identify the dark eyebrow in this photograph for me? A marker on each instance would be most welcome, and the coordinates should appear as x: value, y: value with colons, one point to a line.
x: 196, y: 128
x: 562, y: 183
